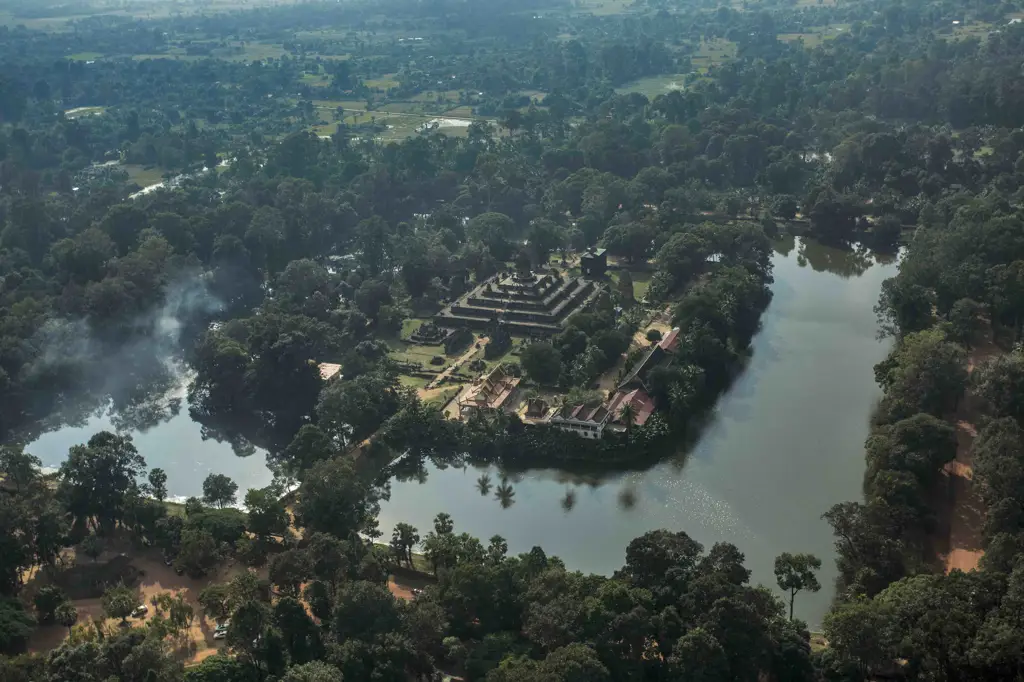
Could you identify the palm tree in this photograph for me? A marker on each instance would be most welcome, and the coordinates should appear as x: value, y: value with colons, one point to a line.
x: 628, y: 415
x: 505, y: 494
x: 66, y: 614
x: 483, y: 484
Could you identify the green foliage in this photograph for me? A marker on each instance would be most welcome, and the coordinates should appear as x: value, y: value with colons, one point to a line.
x: 795, y: 573
x: 219, y: 490
x: 334, y: 500
x: 15, y: 627
x: 98, y: 480
x: 119, y: 602
x: 46, y: 602
x: 542, y: 363
x: 198, y: 552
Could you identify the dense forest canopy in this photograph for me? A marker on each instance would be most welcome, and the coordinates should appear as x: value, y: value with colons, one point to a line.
x: 235, y: 194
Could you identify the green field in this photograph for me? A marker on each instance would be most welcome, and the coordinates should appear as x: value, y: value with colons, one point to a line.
x: 142, y: 176
x: 712, y: 53
x: 815, y: 36
x: 603, y: 7
x: 653, y: 86
x: 385, y: 82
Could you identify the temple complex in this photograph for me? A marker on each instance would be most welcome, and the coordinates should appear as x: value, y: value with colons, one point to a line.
x: 525, y: 302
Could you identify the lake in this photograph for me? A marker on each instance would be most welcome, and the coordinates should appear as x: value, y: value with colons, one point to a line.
x: 176, y: 445
x: 786, y: 443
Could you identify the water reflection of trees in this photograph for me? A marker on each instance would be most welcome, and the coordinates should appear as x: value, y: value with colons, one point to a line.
x: 845, y: 261
x: 505, y: 494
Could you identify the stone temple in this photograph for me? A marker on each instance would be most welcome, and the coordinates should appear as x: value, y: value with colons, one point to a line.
x: 524, y: 302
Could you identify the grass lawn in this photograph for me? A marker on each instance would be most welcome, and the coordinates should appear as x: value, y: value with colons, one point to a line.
x: 315, y: 80
x: 254, y: 51
x: 175, y: 508
x: 144, y: 176
x: 815, y: 36
x: 411, y: 353
x: 652, y: 86
x: 413, y: 382
x: 410, y: 325
x: 385, y: 82
x: 460, y: 112
x: 641, y: 282
x: 85, y: 56
x: 332, y: 104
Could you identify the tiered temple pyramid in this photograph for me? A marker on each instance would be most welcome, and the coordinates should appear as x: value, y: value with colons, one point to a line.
x: 527, y: 303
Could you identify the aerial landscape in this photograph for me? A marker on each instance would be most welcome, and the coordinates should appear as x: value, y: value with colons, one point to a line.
x: 511, y: 340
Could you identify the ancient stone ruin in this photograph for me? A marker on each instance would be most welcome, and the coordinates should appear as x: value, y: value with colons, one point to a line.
x: 528, y: 303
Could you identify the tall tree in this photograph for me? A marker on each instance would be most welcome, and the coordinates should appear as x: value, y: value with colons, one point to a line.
x: 795, y: 572
x: 219, y: 490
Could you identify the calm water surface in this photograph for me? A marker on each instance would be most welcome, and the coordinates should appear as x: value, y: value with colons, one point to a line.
x: 785, y: 444
x: 175, y: 444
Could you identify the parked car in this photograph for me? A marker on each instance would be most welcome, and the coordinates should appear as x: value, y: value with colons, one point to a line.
x: 220, y: 634
x: 140, y: 611
x: 223, y: 627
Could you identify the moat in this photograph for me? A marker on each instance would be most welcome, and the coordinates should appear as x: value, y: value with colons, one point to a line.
x: 785, y: 443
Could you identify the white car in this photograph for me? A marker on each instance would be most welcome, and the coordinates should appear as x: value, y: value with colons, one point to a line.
x: 140, y: 611
x: 220, y: 634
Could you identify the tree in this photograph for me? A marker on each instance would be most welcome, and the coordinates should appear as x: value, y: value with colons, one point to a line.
x: 624, y: 287
x: 98, y: 480
x: 965, y: 321
x: 309, y: 446
x: 198, y: 553
x: 119, y: 602
x: 653, y: 335
x: 267, y: 512
x: 333, y: 499
x: 628, y: 416
x: 216, y: 601
x: 91, y: 546
x: 219, y: 668
x: 314, y: 671
x: 542, y: 363
x: 66, y: 614
x: 158, y: 484
x: 999, y: 382
x: 352, y: 410
x: 46, y: 601
x: 495, y: 231
x: 403, y: 539
x: 15, y: 627
x: 18, y: 467
x: 698, y: 656
x: 365, y: 611
x: 219, y: 490
x: 289, y: 569
x: 795, y: 572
